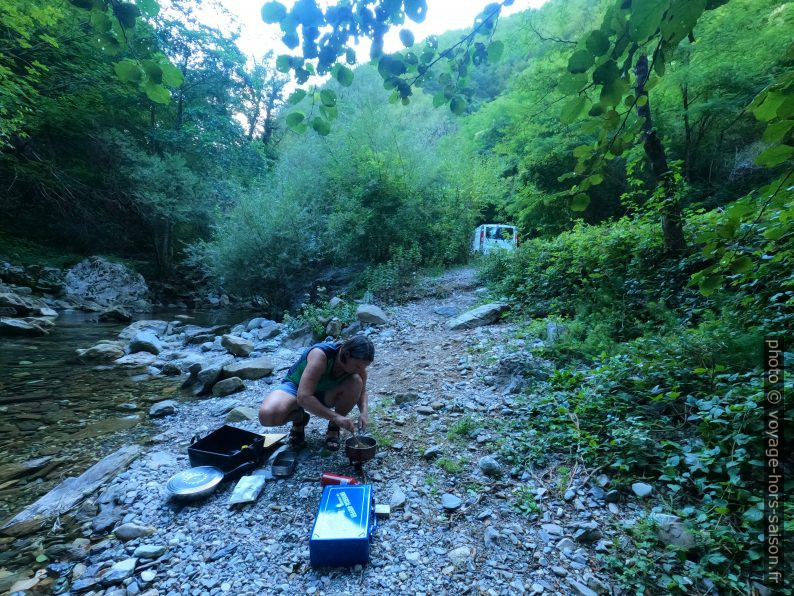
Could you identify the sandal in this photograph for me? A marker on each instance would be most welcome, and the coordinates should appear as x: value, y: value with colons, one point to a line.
x: 332, y: 437
x: 297, y: 434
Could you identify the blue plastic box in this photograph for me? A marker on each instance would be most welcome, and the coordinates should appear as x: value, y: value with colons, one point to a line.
x: 343, y: 526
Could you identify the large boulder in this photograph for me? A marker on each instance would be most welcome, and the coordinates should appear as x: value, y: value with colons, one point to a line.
x: 154, y: 326
x: 146, y: 341
x: 256, y: 368
x: 163, y: 408
x: 267, y: 330
x: 242, y: 414
x: 369, y: 313
x: 20, y: 305
x: 116, y: 314
x: 301, y: 337
x: 107, y: 284
x: 479, y: 317
x: 672, y: 531
x: 237, y: 345
x: 197, y: 335
x: 141, y: 359
x: 228, y: 386
x: 19, y: 328
x: 101, y: 352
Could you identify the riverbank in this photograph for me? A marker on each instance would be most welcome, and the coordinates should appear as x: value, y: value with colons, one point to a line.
x: 462, y: 520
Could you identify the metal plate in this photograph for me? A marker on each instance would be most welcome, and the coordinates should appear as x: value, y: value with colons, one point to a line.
x: 195, y: 482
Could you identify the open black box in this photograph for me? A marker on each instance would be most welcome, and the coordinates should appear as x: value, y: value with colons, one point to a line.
x: 229, y: 448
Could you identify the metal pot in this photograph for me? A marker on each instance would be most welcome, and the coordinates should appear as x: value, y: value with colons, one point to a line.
x: 358, y: 454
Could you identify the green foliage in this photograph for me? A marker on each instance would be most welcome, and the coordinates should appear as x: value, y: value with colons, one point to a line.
x: 318, y: 314
x: 524, y: 501
x: 654, y: 380
x: 451, y: 466
x: 463, y: 428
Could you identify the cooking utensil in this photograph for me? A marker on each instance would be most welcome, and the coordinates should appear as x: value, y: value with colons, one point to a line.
x: 359, y: 444
x: 194, y: 483
x: 358, y: 455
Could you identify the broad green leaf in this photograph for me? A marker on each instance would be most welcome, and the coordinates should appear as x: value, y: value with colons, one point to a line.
x: 580, y: 61
x: 296, y: 96
x: 645, y: 18
x: 568, y: 83
x: 786, y: 109
x: 416, y: 10
x: 572, y: 109
x: 100, y: 21
x: 606, y: 73
x: 406, y: 37
x: 580, y: 202
x: 583, y: 151
x: 172, y: 76
x: 273, y: 12
x: 612, y: 93
x: 128, y: 71
x: 321, y: 126
x: 597, y: 43
x: 328, y: 97
x: 439, y: 99
x: 595, y: 179
x: 659, y: 64
x: 153, y: 71
x: 495, y: 51
x: 283, y: 63
x: 596, y: 110
x: 330, y: 113
x: 457, y: 105
x: 295, y: 118
x: 157, y: 93
x: 344, y: 75
x: 775, y: 233
x: 42, y: 559
x: 767, y: 110
x: 776, y: 131
x: 148, y: 7
x: 742, y: 265
x: 126, y: 13
x: 774, y: 156
x: 710, y: 283
x: 680, y: 20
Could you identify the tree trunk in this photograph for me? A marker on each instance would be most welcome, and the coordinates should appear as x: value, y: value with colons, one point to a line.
x: 672, y: 218
x: 687, y: 133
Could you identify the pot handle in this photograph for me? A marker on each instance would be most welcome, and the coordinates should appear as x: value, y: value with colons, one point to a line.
x: 239, y: 470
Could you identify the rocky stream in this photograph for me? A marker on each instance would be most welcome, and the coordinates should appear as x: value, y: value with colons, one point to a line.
x: 441, y: 381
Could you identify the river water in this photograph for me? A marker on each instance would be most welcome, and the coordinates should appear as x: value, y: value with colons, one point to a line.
x: 74, y: 414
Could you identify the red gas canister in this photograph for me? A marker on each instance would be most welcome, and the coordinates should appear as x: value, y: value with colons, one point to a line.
x: 329, y: 478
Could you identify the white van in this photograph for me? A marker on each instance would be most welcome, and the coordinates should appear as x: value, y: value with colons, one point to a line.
x: 488, y: 237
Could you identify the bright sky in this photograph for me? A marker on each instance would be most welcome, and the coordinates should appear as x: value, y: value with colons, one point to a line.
x: 442, y: 15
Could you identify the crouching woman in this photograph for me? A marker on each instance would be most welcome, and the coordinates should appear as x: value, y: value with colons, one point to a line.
x: 327, y: 381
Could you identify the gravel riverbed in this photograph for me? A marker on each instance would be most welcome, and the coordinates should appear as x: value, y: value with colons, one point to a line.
x: 454, y: 528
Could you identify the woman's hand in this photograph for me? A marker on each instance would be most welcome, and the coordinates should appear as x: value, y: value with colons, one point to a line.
x: 363, y: 420
x: 344, y: 422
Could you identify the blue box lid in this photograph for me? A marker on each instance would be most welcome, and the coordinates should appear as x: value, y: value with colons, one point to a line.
x: 344, y: 512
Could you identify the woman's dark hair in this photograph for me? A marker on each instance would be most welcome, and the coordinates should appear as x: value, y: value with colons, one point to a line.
x: 359, y: 347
